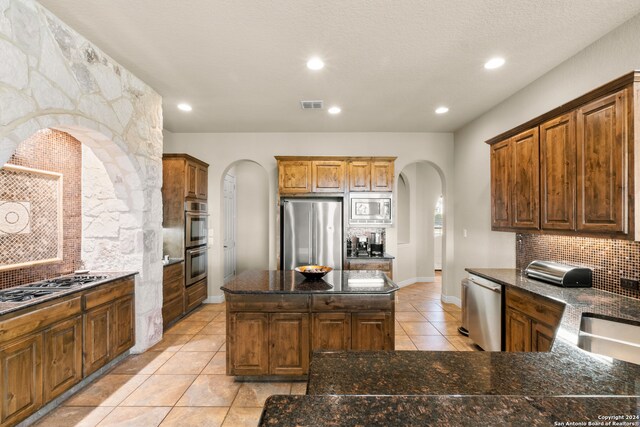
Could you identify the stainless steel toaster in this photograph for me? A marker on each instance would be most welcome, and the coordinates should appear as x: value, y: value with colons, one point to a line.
x: 558, y: 274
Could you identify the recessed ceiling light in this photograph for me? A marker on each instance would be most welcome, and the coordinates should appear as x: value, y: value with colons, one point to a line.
x: 184, y: 107
x: 315, y: 63
x: 334, y: 110
x: 494, y: 63
x: 441, y: 110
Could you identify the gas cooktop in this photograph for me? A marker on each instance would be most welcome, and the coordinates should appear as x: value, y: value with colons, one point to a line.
x: 45, y: 287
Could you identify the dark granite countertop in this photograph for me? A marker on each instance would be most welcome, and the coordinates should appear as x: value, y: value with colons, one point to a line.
x: 565, y: 371
x: 292, y: 282
x: 385, y: 256
x: 284, y: 411
x: 8, y: 307
x: 172, y: 261
x: 576, y: 300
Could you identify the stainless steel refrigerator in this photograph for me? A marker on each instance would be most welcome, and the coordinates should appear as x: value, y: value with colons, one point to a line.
x: 311, y: 233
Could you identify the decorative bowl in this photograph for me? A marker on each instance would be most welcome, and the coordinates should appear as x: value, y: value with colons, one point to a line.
x: 313, y: 271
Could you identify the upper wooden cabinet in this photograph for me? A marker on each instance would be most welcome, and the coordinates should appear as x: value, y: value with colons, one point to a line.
x: 602, y: 142
x: 571, y: 170
x: 515, y: 182
x: 301, y: 175
x: 294, y: 176
x: 184, y: 176
x: 558, y: 173
x: 327, y: 176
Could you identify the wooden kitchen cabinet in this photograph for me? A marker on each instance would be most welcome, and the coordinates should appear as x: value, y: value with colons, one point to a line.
x: 327, y: 176
x: 248, y: 344
x: 372, y: 331
x: 183, y: 176
x: 558, y: 173
x: 382, y: 175
x: 359, y: 175
x: 98, y: 338
x: 331, y: 331
x: 124, y: 320
x: 602, y: 183
x: 195, y: 294
x: 501, y: 184
x: 20, y: 378
x: 531, y: 321
x: 294, y: 176
x: 62, y: 357
x: 289, y: 343
x: 173, y: 293
x: 382, y: 264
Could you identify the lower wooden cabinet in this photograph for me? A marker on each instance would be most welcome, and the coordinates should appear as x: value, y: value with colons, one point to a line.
x: 98, y: 338
x: 124, y: 321
x: 62, y: 357
x: 289, y: 343
x: 530, y: 321
x: 195, y: 295
x: 372, y: 331
x: 331, y: 331
x: 20, y: 378
x: 383, y: 264
x: 248, y: 344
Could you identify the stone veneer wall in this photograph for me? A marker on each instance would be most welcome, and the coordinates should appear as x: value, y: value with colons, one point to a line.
x: 610, y: 259
x: 53, y: 151
x: 52, y: 77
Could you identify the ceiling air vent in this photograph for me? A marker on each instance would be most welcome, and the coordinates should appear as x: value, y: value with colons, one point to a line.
x: 311, y: 105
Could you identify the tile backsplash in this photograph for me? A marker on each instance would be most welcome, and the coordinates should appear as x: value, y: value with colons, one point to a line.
x: 610, y: 259
x: 53, y: 151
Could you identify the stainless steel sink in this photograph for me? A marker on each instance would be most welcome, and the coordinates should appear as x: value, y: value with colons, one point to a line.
x: 610, y: 337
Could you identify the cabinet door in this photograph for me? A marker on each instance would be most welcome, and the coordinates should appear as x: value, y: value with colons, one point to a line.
x: 558, y: 173
x: 518, y: 331
x: 602, y: 142
x: 195, y: 294
x: 359, y: 176
x: 541, y: 336
x: 62, y: 357
x: 20, y: 379
x: 381, y: 176
x: 525, y: 188
x: 331, y: 331
x: 124, y: 321
x: 372, y: 331
x: 248, y: 344
x: 294, y: 176
x: 327, y: 176
x: 191, y: 180
x: 289, y: 337
x: 500, y: 184
x: 98, y: 338
x: 202, y: 182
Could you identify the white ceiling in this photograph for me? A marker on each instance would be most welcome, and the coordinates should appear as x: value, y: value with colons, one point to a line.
x: 389, y: 64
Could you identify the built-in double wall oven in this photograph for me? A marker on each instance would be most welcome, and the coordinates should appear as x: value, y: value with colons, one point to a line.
x: 196, y: 229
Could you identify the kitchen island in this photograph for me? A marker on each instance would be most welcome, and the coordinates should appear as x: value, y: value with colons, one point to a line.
x: 276, y: 318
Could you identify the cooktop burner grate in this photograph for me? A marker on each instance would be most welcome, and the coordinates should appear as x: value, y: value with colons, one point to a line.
x: 45, y: 287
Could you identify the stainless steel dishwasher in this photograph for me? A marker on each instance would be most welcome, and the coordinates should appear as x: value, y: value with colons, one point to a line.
x: 484, y: 311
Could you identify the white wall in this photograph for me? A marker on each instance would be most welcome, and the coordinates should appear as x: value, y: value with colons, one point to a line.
x: 613, y: 55
x: 222, y: 149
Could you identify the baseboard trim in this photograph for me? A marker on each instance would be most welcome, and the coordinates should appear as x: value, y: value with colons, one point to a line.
x: 415, y: 280
x: 451, y: 300
x: 214, y: 299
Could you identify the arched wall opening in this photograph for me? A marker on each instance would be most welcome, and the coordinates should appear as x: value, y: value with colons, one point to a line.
x: 420, y: 186
x: 244, y: 190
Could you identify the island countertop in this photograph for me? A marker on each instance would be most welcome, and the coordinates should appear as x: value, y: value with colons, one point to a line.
x: 292, y: 282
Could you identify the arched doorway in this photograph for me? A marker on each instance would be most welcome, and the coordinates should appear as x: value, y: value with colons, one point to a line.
x: 244, y: 217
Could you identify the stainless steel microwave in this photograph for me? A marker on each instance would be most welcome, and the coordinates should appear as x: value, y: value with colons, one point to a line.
x: 370, y: 209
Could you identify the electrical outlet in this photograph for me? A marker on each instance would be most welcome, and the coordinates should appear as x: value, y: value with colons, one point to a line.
x: 632, y: 284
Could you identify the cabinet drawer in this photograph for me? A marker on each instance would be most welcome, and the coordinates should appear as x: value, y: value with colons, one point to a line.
x: 351, y: 302
x: 172, y: 310
x: 38, y: 318
x: 384, y: 265
x: 543, y: 310
x: 173, y: 272
x: 172, y: 289
x: 195, y: 294
x: 266, y: 303
x: 108, y: 293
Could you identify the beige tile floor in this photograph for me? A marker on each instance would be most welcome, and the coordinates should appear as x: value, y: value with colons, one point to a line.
x: 182, y: 382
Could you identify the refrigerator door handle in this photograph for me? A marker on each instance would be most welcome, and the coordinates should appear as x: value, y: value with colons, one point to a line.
x: 310, y: 237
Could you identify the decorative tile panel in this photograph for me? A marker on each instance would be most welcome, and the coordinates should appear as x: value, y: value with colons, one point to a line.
x: 610, y: 259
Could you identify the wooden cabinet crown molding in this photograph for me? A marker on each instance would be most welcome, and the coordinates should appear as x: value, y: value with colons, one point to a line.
x: 184, y: 156
x: 329, y: 158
